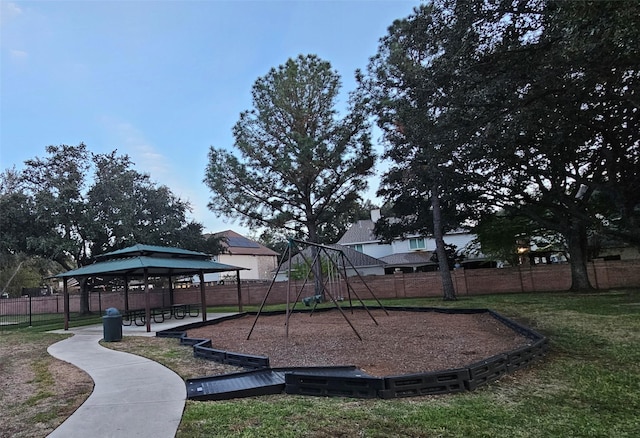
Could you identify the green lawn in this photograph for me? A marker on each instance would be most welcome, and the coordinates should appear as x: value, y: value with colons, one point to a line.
x: 588, y: 386
x: 47, y: 321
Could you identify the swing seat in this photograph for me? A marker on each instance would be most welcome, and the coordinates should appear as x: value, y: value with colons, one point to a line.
x: 313, y: 299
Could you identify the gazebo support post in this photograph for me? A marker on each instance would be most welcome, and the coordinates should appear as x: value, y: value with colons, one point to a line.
x: 126, y: 293
x: 203, y: 297
x: 171, y: 299
x: 239, y: 291
x: 65, y: 303
x: 147, y: 300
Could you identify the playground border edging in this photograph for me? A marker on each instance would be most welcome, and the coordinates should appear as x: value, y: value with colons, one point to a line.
x: 304, y: 381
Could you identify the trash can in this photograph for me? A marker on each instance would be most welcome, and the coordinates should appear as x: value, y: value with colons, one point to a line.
x: 112, y: 325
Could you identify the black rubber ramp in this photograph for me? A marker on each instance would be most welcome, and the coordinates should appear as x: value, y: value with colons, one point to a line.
x: 266, y: 381
x: 236, y: 385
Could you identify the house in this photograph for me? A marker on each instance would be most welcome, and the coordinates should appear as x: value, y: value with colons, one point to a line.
x: 609, y: 248
x: 369, y: 255
x: 246, y: 253
x: 407, y: 254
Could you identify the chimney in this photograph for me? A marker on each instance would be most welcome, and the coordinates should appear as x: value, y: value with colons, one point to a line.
x: 375, y: 215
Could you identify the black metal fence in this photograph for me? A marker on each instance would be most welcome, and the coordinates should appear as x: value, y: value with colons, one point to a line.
x: 36, y: 308
x: 29, y: 311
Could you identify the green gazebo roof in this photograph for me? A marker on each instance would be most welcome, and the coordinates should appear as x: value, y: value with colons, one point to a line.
x: 155, y: 260
x: 153, y: 251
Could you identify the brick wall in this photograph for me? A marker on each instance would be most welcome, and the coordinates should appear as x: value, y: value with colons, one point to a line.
x: 541, y: 278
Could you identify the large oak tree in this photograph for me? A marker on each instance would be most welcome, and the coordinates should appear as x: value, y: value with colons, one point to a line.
x: 72, y: 205
x: 534, y: 104
x: 549, y: 112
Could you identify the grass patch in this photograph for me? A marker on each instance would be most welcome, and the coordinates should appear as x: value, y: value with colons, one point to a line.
x: 43, y: 376
x: 588, y: 386
x: 39, y: 396
x: 37, y: 392
x: 170, y: 353
x: 47, y: 322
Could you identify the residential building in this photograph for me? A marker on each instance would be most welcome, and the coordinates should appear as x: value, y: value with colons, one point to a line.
x: 370, y: 255
x: 240, y: 251
x: 407, y: 254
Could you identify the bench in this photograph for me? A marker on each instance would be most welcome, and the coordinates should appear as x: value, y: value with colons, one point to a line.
x: 159, y: 314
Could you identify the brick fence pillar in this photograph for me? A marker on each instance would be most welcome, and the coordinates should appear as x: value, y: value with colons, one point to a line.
x: 600, y: 274
x: 399, y: 285
x: 460, y: 281
x: 526, y: 278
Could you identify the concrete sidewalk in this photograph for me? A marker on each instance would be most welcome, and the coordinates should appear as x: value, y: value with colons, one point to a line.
x: 132, y: 396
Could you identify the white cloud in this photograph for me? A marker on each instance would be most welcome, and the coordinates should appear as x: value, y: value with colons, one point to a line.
x: 131, y: 141
x: 18, y: 55
x: 9, y: 11
x: 184, y: 183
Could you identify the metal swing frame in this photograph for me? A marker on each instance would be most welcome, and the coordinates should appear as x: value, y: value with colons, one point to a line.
x: 341, y: 270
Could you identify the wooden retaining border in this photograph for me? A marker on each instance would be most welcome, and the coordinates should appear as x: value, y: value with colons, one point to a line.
x: 309, y: 381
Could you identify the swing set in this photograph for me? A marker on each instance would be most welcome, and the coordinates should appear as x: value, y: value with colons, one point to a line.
x: 332, y: 283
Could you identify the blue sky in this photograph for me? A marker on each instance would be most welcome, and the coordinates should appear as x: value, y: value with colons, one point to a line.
x: 162, y: 81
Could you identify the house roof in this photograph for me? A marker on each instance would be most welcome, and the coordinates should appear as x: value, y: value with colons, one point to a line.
x: 360, y: 232
x: 358, y: 259
x: 156, y: 261
x: 237, y: 244
x: 408, y: 259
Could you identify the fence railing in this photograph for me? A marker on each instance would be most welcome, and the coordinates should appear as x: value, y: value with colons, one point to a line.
x: 29, y: 310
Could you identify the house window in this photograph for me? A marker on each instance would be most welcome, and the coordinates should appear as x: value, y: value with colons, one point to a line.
x: 357, y: 247
x: 417, y: 243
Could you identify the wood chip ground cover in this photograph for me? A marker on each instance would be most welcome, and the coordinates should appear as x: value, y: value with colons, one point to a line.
x: 401, y: 343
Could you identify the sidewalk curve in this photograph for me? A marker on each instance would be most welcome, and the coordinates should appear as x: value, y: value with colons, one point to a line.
x: 132, y: 396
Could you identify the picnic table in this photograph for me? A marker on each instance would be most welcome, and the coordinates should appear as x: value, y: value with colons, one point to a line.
x: 159, y: 314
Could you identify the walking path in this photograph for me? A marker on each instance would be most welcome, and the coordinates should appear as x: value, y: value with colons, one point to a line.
x: 132, y: 396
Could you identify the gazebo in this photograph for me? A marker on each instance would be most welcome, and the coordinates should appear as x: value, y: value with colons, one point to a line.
x: 144, y: 261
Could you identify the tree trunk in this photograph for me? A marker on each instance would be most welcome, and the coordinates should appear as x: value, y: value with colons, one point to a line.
x: 577, y: 242
x: 443, y: 263
x: 84, y: 296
